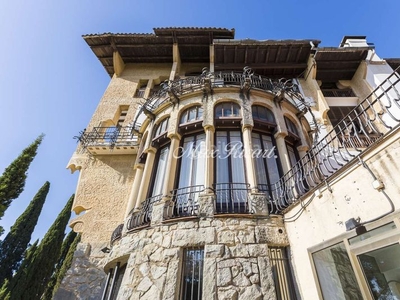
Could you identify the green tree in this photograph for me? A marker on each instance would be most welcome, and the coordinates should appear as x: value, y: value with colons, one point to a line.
x: 64, y: 262
x: 15, y: 243
x: 12, y: 181
x: 5, y: 289
x: 32, y: 277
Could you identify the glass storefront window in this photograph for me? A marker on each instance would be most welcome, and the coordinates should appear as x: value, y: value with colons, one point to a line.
x: 335, y: 274
x: 381, y: 269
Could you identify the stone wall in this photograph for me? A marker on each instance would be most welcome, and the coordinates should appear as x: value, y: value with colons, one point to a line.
x: 236, y: 262
x: 84, y: 280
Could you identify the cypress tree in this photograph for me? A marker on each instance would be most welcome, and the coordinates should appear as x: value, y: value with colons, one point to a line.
x: 12, y: 181
x: 64, y: 263
x: 15, y: 243
x: 32, y: 277
x: 5, y: 293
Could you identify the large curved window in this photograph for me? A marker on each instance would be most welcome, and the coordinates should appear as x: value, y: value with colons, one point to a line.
x: 265, y: 155
x: 266, y: 161
x: 230, y: 179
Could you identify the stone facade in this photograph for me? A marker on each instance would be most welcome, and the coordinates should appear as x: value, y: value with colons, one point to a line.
x: 244, y: 233
x: 235, y: 258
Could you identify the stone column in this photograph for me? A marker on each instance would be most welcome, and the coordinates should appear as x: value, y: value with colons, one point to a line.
x: 302, y: 150
x: 209, y: 167
x: 282, y: 150
x: 170, y: 170
x: 148, y: 168
x: 248, y: 159
x: 135, y: 188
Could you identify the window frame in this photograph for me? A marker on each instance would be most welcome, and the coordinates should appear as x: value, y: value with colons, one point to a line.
x: 376, y: 242
x: 182, y: 294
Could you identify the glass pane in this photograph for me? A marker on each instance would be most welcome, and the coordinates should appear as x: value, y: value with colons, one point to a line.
x: 192, y: 114
x: 222, y: 157
x: 161, y: 168
x: 372, y: 233
x: 335, y: 274
x: 192, y: 274
x: 381, y: 269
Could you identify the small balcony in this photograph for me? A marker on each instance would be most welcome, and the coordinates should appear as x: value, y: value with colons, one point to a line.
x: 109, y: 140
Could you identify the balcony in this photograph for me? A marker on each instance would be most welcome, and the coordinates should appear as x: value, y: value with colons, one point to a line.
x: 171, y: 91
x: 100, y: 140
x: 369, y: 122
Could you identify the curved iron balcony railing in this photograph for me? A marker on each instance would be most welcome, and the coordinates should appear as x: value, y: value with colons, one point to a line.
x: 367, y: 123
x: 143, y: 216
x: 171, y: 91
x: 184, y: 202
x: 117, y: 233
x: 110, y: 137
x: 231, y: 197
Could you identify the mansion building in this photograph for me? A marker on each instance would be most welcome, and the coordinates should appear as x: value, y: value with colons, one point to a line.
x: 217, y: 168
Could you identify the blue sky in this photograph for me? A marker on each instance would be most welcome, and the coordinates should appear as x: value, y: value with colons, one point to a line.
x: 51, y: 82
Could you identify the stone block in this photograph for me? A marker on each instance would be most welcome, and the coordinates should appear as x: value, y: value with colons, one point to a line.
x: 224, y: 277
x: 252, y: 292
x: 228, y: 294
x: 214, y: 251
x: 209, y: 278
x: 193, y: 237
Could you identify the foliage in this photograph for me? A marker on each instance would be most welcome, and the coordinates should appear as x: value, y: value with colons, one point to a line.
x: 15, y: 243
x: 32, y: 277
x: 12, y: 181
x: 5, y: 291
x: 64, y: 263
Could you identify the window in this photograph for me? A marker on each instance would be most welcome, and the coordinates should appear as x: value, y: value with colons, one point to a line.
x: 281, y: 272
x: 381, y: 268
x: 160, y: 133
x: 337, y: 113
x: 122, y: 115
x: 375, y: 257
x: 230, y: 184
x: 263, y: 114
x: 192, y: 114
x: 159, y: 169
x: 335, y: 274
x: 192, y: 161
x: 227, y: 110
x: 140, y: 91
x: 113, y: 284
x: 291, y: 127
x: 230, y: 179
x: 192, y: 274
x: 266, y: 161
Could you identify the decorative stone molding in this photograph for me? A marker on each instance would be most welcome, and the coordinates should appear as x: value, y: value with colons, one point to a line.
x: 258, y: 203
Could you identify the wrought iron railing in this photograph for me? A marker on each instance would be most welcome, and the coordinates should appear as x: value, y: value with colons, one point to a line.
x: 143, y: 216
x: 338, y: 93
x: 231, y: 197
x: 117, y: 233
x: 170, y: 91
x: 109, y: 136
x: 367, y: 123
x: 184, y: 202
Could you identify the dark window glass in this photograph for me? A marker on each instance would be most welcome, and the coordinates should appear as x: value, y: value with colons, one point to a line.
x: 263, y: 114
x: 192, y: 274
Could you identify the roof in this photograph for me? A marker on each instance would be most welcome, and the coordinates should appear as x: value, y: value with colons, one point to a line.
x: 335, y: 64
x: 272, y: 58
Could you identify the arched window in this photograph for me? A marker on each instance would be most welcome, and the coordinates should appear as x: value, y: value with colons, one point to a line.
x: 227, y: 110
x: 192, y: 114
x: 230, y: 179
x: 160, y: 141
x: 265, y: 155
x: 191, y: 164
x: 292, y: 141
